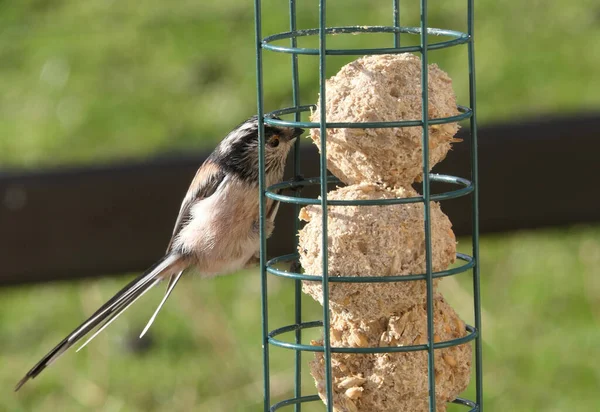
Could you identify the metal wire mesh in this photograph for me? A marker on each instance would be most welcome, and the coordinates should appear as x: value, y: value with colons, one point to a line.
x: 464, y: 188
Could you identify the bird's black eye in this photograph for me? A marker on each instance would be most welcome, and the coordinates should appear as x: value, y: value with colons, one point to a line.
x: 274, y: 141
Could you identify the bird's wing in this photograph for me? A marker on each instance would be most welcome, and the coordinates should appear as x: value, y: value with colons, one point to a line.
x: 205, y: 183
x: 109, y: 311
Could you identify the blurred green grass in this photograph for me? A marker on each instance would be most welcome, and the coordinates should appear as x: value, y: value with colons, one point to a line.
x: 100, y: 80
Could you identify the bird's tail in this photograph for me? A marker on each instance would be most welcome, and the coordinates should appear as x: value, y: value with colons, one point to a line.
x: 108, y: 312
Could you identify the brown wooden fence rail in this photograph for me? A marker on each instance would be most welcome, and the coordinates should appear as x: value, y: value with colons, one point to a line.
x: 104, y: 220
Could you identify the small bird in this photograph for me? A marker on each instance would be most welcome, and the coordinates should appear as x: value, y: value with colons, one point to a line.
x: 216, y: 231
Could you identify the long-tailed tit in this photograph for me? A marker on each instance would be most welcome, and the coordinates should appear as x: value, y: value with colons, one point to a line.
x: 217, y: 229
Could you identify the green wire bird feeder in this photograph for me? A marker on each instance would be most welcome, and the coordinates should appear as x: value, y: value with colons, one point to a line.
x: 329, y: 354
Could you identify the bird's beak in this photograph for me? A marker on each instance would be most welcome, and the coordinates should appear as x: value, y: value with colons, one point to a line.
x: 297, y: 132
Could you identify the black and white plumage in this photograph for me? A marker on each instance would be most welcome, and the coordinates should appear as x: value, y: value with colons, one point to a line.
x: 216, y: 230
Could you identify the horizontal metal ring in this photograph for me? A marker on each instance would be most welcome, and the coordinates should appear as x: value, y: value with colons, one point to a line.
x: 457, y: 39
x: 386, y: 349
x: 470, y: 263
x: 313, y: 398
x: 294, y: 401
x: 465, y: 113
x: 271, y: 192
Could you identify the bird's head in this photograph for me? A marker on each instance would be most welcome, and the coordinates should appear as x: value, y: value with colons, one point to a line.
x: 238, y: 152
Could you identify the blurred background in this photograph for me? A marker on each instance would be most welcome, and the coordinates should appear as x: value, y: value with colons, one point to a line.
x: 100, y: 84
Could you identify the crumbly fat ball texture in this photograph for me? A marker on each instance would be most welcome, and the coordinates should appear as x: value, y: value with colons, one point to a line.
x: 374, y: 241
x: 395, y: 382
x: 385, y: 88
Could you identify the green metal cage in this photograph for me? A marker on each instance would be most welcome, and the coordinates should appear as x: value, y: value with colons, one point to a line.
x: 464, y: 187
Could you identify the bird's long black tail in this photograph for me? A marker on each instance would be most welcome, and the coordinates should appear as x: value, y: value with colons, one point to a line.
x: 109, y: 311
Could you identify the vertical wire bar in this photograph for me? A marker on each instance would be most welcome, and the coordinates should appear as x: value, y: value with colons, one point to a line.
x: 323, y: 169
x: 297, y: 283
x: 427, y: 206
x: 475, y: 212
x: 261, y: 204
x: 396, y: 11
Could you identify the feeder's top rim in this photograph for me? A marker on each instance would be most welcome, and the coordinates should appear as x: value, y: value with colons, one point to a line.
x: 464, y: 113
x: 457, y: 39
